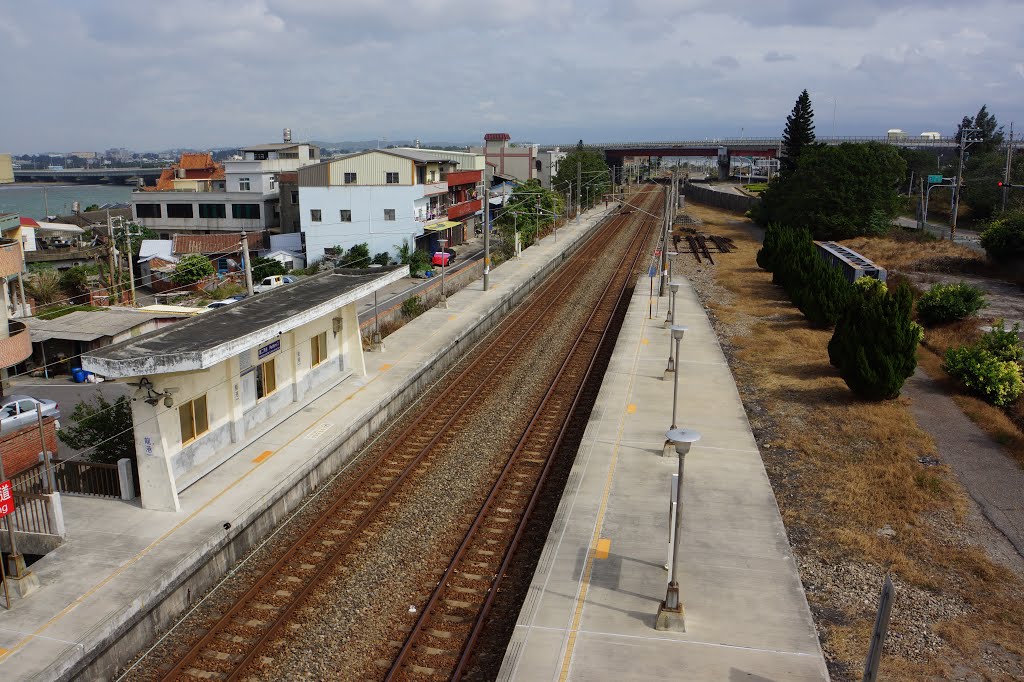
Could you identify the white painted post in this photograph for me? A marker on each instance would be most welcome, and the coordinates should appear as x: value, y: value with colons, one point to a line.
x: 55, y: 514
x: 125, y: 478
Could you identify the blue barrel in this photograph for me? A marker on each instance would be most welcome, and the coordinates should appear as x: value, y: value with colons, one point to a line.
x: 78, y: 374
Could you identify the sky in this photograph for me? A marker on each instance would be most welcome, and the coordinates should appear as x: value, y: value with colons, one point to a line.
x: 146, y: 75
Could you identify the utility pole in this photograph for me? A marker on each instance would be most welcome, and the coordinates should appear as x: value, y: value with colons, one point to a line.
x: 248, y: 266
x: 579, y: 189
x: 111, y: 246
x: 128, y: 234
x: 487, y: 223
x: 964, y: 133
x: 663, y: 286
x: 1009, y: 167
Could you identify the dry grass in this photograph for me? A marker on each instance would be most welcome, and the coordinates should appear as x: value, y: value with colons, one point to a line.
x: 843, y: 469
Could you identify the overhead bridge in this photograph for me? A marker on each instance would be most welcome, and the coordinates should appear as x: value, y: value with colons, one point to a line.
x: 113, y: 176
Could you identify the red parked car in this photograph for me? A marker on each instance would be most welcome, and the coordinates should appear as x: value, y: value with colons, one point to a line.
x: 444, y: 258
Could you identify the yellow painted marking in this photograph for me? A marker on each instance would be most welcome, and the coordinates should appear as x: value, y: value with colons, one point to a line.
x: 603, y: 545
x: 644, y: 341
x: 4, y: 654
x: 264, y: 456
x: 385, y: 367
x: 581, y: 596
x: 453, y: 317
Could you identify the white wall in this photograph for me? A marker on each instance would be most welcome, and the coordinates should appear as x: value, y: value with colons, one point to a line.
x: 368, y: 225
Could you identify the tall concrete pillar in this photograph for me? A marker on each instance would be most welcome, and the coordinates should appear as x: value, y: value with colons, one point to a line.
x: 724, y: 166
x: 156, y: 478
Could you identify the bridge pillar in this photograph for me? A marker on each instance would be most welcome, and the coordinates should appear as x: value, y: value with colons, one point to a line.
x: 724, y: 163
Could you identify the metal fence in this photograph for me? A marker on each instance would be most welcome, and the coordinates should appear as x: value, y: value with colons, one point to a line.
x: 30, y: 514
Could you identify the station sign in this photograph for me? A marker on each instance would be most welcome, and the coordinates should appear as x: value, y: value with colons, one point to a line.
x: 934, y: 179
x: 266, y: 350
x: 6, y: 499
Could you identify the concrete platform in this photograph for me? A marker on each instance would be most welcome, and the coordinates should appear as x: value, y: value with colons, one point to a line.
x: 591, y: 609
x: 125, y: 573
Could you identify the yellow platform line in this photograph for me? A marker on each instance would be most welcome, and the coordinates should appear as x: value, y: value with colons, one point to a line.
x: 595, y: 542
x: 264, y: 456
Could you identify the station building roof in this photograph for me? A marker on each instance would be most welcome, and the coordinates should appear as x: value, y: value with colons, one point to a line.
x: 205, y: 340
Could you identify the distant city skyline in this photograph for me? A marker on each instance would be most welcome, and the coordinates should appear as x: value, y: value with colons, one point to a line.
x: 215, y: 74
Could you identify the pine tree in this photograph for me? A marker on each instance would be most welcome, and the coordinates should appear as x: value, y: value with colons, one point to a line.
x: 875, y: 342
x: 798, y: 134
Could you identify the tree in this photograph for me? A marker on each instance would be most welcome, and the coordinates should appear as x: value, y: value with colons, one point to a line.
x: 1003, y: 239
x: 382, y: 258
x: 593, y: 172
x: 135, y: 234
x: 92, y: 207
x: 527, y: 211
x: 798, y: 134
x: 989, y: 132
x: 74, y: 282
x: 837, y: 192
x: 358, y: 256
x: 44, y: 286
x: 191, y: 269
x: 103, y: 429
x: 414, y: 258
x: 875, y: 342
x: 266, y: 267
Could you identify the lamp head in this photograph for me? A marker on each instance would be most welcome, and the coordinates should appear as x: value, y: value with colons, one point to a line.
x: 678, y: 330
x: 683, y: 439
x: 674, y: 286
x: 168, y: 401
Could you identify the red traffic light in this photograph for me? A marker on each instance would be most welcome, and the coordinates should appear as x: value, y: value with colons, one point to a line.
x: 1000, y: 184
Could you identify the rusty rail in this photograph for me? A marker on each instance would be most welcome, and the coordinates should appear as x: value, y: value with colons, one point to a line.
x: 476, y: 571
x: 289, y: 582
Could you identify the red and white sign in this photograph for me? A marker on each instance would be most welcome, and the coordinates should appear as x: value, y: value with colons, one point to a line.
x: 6, y: 499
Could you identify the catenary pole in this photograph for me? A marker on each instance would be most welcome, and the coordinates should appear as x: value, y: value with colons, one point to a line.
x: 487, y: 224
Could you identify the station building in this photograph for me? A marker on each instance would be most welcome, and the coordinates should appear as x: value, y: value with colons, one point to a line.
x: 210, y: 384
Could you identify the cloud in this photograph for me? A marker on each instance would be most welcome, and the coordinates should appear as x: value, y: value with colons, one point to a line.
x: 212, y: 73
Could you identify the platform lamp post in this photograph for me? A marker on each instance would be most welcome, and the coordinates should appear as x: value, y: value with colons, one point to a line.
x: 673, y: 287
x: 670, y: 612
x: 444, y: 260
x: 677, y: 337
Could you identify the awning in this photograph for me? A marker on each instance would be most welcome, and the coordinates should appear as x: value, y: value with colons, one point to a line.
x: 437, y: 227
x: 60, y: 227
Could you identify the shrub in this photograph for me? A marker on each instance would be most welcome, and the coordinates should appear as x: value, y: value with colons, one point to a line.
x: 1003, y: 239
x: 266, y: 267
x: 382, y: 258
x: 875, y: 342
x: 983, y: 373
x: 44, y: 286
x: 1003, y: 343
x: 825, y: 293
x: 949, y: 302
x: 870, y: 285
x: 412, y: 307
x: 191, y: 269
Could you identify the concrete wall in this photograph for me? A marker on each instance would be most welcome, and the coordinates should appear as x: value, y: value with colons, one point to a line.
x: 205, y: 565
x: 368, y: 225
x: 6, y: 169
x: 730, y: 202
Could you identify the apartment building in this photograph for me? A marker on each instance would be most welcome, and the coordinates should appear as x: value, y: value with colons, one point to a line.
x: 198, y: 195
x: 385, y: 197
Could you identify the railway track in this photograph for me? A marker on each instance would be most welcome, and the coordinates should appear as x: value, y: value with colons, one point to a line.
x: 234, y: 646
x: 441, y: 639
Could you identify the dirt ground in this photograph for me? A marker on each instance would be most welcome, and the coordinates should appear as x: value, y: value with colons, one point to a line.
x: 858, y: 484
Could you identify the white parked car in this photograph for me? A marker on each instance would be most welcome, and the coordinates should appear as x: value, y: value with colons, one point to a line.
x: 269, y: 283
x: 19, y: 411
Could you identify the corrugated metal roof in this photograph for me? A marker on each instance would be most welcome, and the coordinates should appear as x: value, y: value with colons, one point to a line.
x: 84, y: 325
x: 208, y: 244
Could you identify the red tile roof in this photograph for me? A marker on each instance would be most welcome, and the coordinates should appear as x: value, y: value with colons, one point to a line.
x: 28, y: 222
x: 209, y: 244
x: 196, y: 161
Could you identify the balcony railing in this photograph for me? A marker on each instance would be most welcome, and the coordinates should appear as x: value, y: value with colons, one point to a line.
x: 10, y: 257
x: 464, y: 209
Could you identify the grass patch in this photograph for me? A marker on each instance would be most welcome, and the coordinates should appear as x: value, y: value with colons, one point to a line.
x: 843, y: 469
x: 60, y: 311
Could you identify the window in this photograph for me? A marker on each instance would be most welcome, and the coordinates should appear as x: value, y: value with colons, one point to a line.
x: 309, y: 153
x: 243, y: 184
x: 318, y: 349
x: 147, y: 211
x: 193, y: 419
x: 212, y: 211
x: 273, y: 182
x: 391, y: 178
x: 179, y: 210
x: 266, y: 379
x: 350, y: 178
x: 260, y: 156
x: 314, y: 215
x: 389, y: 214
x: 345, y: 215
x: 245, y: 211
x: 295, y: 197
